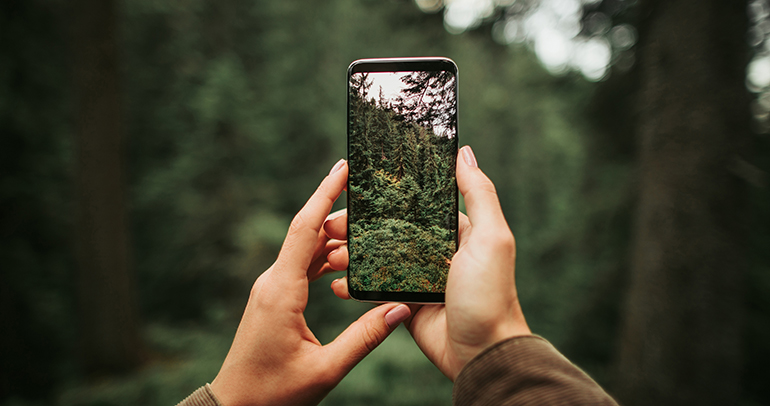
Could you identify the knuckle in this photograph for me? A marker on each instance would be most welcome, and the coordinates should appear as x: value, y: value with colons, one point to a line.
x: 259, y: 296
x: 297, y: 223
x: 487, y: 186
x: 255, y: 289
x: 483, y: 191
x: 371, y: 338
x: 323, y: 188
x: 502, y: 242
x: 507, y: 243
x: 326, y: 192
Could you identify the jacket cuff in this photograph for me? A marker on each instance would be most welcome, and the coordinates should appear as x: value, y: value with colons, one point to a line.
x: 204, y: 396
x: 525, y: 370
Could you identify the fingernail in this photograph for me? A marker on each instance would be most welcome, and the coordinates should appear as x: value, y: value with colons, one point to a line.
x: 334, y: 282
x: 336, y: 214
x: 337, y: 166
x: 470, y: 159
x: 396, y: 315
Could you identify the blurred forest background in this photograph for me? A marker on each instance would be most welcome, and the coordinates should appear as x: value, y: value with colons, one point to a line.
x: 153, y: 152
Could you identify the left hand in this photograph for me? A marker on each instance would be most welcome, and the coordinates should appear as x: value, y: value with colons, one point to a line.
x: 275, y: 359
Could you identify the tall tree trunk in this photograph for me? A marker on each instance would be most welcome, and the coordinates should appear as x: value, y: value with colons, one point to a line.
x: 681, y: 339
x: 109, y: 339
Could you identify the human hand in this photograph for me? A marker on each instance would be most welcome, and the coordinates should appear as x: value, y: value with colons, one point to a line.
x: 482, y: 306
x: 275, y: 359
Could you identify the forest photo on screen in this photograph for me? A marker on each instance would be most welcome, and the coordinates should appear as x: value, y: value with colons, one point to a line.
x: 402, y: 201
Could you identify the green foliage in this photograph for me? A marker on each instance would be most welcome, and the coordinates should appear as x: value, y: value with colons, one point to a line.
x: 192, y: 356
x: 236, y: 110
x: 402, y: 210
x: 399, y: 256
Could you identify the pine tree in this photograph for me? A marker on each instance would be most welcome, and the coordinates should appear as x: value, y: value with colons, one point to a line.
x: 402, y: 233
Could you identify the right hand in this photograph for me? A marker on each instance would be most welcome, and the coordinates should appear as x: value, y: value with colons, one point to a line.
x: 482, y: 307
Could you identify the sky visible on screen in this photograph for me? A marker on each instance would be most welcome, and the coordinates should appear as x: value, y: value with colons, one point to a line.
x: 390, y: 82
x: 391, y: 85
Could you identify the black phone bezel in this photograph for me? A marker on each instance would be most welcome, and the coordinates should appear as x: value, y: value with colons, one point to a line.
x: 400, y: 65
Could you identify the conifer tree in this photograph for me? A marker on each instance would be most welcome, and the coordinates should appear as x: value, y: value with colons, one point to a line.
x: 402, y: 233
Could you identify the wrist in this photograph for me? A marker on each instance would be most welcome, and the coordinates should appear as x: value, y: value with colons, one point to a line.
x: 220, y: 392
x: 465, y: 352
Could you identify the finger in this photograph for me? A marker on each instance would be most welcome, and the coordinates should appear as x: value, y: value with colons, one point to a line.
x: 463, y: 220
x: 481, y: 199
x: 320, y: 265
x: 427, y: 325
x: 320, y: 247
x: 424, y: 317
x: 299, y: 245
x: 415, y: 309
x: 338, y: 258
x: 464, y: 228
x: 340, y: 288
x: 365, y: 334
x: 336, y: 225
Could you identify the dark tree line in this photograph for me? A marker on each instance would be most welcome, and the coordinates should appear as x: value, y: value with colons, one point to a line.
x: 108, y: 323
x: 680, y: 341
x: 402, y: 193
x: 632, y: 257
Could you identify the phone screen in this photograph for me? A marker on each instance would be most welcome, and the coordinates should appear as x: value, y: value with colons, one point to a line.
x: 402, y: 191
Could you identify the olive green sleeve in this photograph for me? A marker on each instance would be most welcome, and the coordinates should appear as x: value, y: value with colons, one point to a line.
x: 201, y: 397
x: 525, y: 370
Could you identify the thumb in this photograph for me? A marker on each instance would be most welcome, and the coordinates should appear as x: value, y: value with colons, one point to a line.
x: 480, y: 195
x: 365, y: 334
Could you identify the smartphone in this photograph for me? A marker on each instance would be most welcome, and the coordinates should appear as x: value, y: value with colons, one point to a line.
x: 402, y: 190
